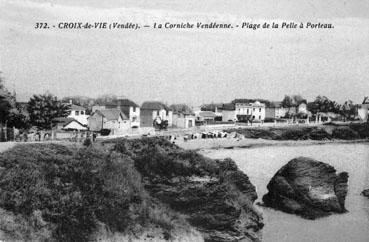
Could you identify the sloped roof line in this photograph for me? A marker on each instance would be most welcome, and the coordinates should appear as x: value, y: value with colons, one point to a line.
x: 154, y: 105
x: 112, y: 114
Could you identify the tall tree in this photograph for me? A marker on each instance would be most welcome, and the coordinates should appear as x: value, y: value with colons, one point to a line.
x: 288, y: 102
x: 44, y: 108
x: 5, y: 102
x: 348, y: 109
x: 322, y: 104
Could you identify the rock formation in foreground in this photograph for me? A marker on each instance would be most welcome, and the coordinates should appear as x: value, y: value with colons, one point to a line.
x: 215, y: 197
x: 308, y: 188
x: 365, y: 193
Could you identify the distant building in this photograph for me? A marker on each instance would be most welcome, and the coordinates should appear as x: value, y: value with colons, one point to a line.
x: 247, y: 111
x: 112, y: 119
x: 128, y: 107
x: 205, y: 117
x: 78, y: 113
x: 363, y: 110
x: 183, y: 120
x: 153, y: 110
x: 228, y: 111
x: 302, y: 107
x: 215, y: 108
x: 275, y: 110
x: 68, y: 124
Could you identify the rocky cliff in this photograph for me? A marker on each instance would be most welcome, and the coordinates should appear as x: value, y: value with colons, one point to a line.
x: 307, y: 187
x: 214, y: 196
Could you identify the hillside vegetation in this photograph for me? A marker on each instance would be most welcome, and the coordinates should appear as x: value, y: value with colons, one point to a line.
x: 51, y: 192
x: 326, y: 132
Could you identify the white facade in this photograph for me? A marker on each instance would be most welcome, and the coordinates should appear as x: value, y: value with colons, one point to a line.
x: 363, y: 113
x: 183, y: 121
x: 134, y: 116
x: 302, y: 108
x: 256, y: 110
x: 163, y: 115
x: 79, y: 114
x: 75, y: 126
x: 243, y: 109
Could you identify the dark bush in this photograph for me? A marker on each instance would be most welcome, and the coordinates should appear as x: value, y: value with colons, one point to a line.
x: 72, y: 188
x: 345, y: 133
x: 154, y: 156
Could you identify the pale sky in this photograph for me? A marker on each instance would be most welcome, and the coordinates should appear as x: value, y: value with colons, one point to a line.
x: 192, y: 66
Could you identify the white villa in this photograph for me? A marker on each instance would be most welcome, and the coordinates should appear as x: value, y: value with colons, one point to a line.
x: 78, y: 113
x: 247, y: 111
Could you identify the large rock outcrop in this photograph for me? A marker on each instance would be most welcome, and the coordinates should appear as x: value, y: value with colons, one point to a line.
x: 308, y: 188
x: 215, y: 197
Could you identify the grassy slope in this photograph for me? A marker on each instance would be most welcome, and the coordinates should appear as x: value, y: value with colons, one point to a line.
x: 69, y: 192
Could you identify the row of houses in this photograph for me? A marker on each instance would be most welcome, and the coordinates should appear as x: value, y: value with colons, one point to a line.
x: 123, y: 115
x: 245, y: 110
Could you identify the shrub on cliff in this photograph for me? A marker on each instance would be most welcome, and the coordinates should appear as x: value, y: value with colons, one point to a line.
x: 72, y: 188
x: 156, y: 156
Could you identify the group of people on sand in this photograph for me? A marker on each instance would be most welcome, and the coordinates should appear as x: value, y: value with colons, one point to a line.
x: 202, y: 135
x: 41, y: 135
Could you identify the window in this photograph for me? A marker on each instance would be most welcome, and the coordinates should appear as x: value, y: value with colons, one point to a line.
x: 76, y: 113
x: 248, y: 112
x: 259, y: 117
x: 253, y: 109
x: 157, y: 112
x: 82, y: 112
x: 134, y: 109
x: 259, y: 109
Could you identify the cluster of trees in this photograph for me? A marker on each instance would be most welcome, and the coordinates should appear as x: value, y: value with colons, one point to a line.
x: 321, y: 104
x: 39, y: 111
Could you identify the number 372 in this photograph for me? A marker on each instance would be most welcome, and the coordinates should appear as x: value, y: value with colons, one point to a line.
x: 41, y: 26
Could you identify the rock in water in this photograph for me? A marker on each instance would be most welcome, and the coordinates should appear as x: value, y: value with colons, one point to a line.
x: 308, y: 188
x: 365, y: 193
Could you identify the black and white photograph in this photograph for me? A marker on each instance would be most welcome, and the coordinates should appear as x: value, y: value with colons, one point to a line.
x: 184, y: 121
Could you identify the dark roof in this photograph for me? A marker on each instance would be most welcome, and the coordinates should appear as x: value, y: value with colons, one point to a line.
x: 207, y: 114
x: 112, y: 114
x: 228, y: 106
x: 211, y: 106
x: 301, y: 101
x: 245, y: 100
x: 65, y: 121
x: 277, y: 104
x: 154, y: 105
x: 123, y: 102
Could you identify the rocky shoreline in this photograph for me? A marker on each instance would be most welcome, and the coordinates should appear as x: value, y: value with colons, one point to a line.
x: 308, y: 188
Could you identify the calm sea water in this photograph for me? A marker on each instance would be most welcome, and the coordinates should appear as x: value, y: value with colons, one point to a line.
x: 260, y: 164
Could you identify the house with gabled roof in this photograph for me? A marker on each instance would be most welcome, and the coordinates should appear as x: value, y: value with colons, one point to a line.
x: 68, y: 124
x: 250, y: 109
x: 112, y: 119
x: 154, y: 111
x: 275, y: 110
x: 228, y: 111
x: 127, y: 106
x: 78, y: 113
